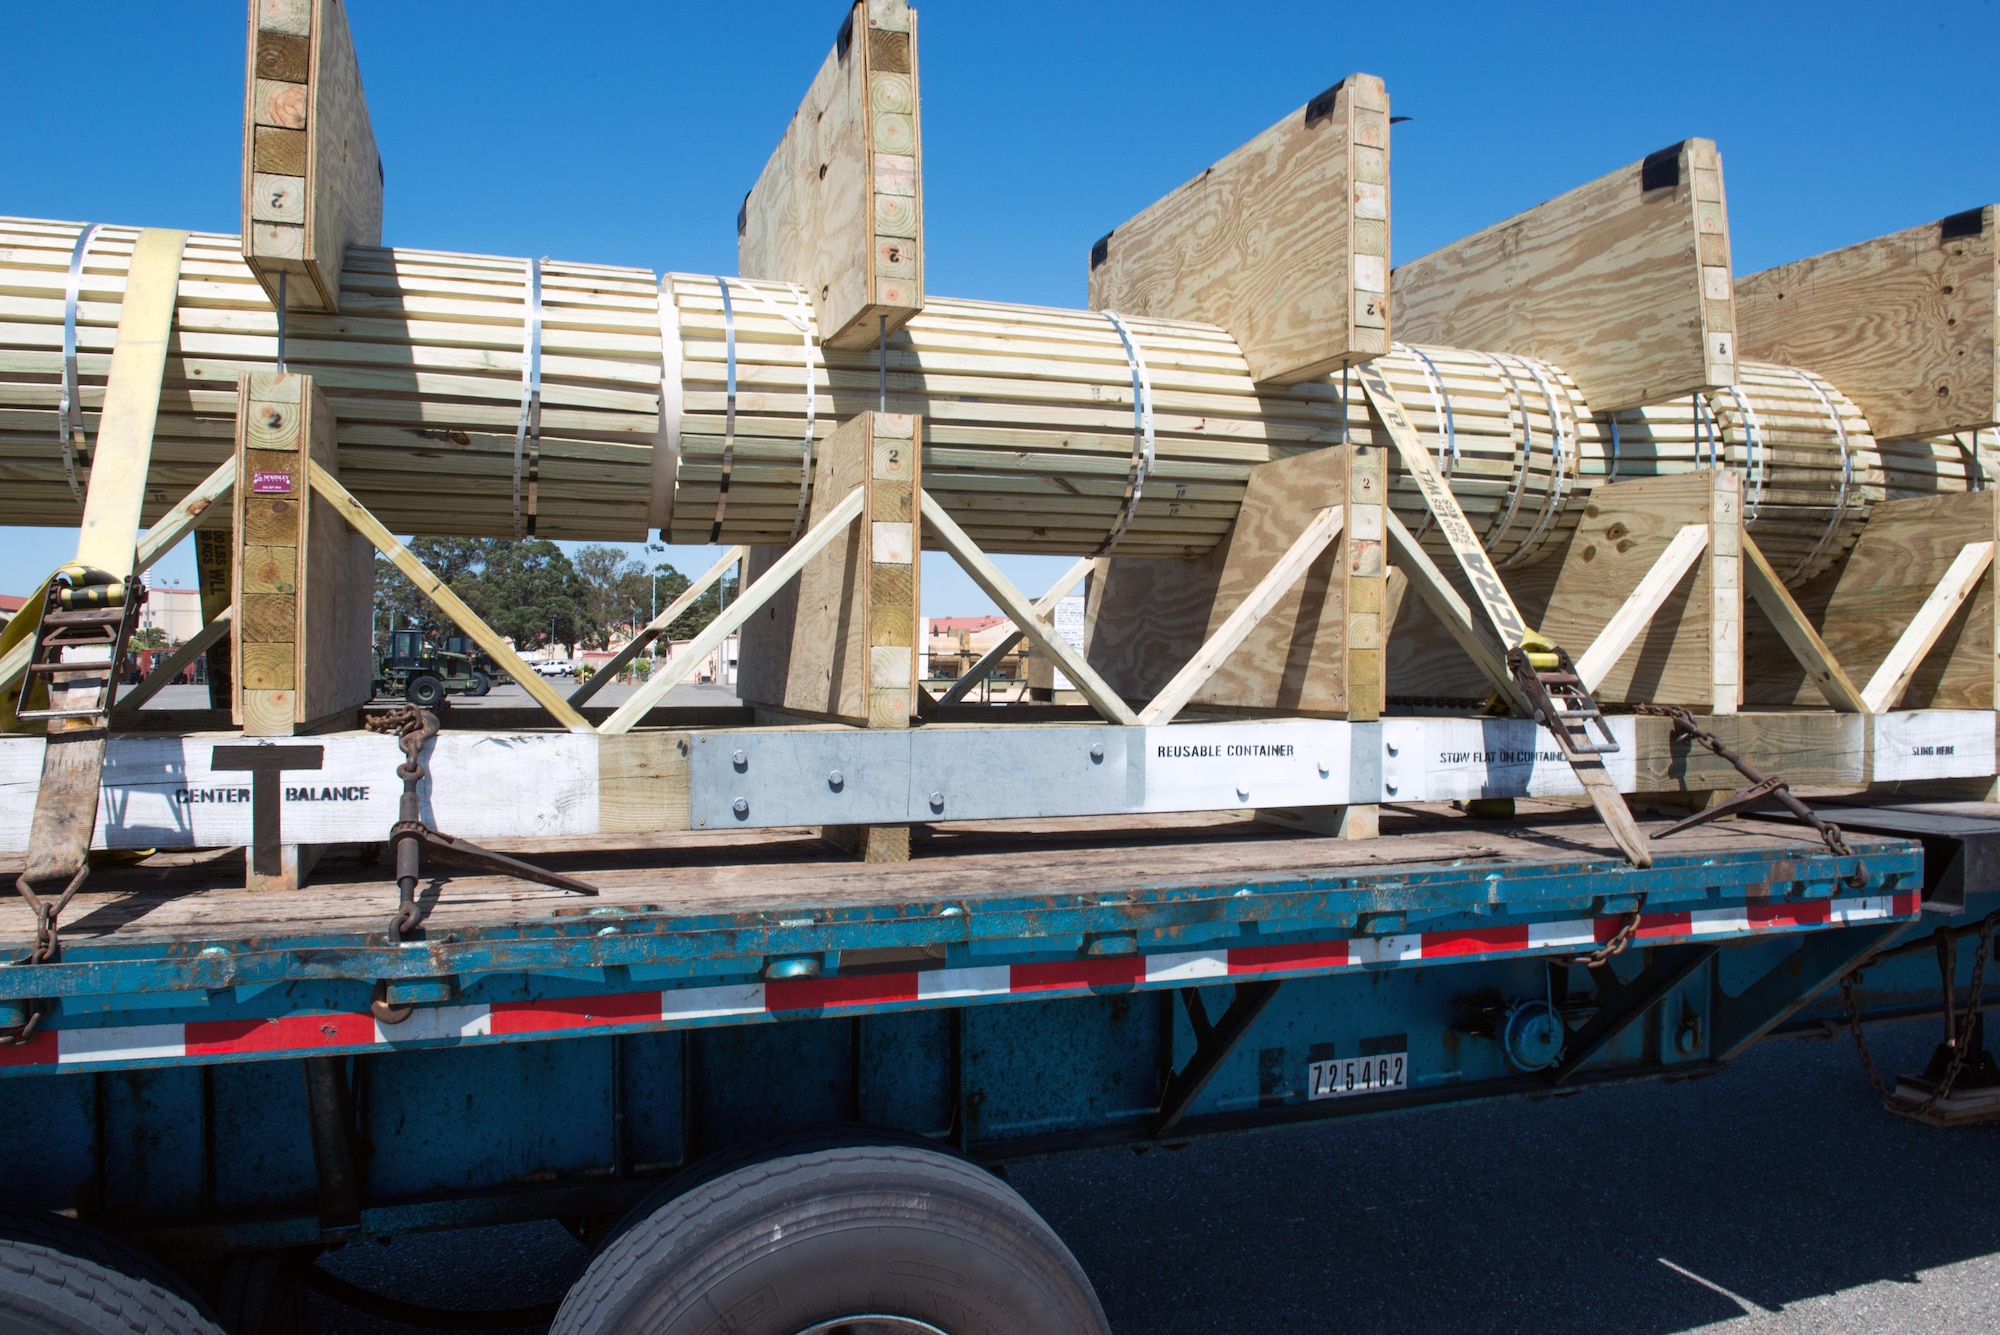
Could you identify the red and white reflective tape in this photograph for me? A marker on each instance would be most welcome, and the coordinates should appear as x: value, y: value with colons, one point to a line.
x: 135, y: 1044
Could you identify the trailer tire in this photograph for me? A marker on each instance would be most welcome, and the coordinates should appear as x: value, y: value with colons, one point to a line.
x: 481, y: 684
x: 47, y: 1291
x: 424, y: 691
x: 814, y: 1240
x: 71, y: 1237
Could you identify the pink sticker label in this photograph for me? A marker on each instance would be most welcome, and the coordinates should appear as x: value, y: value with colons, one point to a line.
x: 269, y: 484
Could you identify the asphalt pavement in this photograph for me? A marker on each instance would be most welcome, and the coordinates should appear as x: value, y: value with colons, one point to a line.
x: 1774, y: 1197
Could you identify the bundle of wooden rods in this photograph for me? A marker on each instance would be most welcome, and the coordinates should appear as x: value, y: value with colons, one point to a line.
x: 692, y: 405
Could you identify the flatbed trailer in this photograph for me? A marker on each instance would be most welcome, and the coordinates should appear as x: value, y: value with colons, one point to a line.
x: 236, y: 1080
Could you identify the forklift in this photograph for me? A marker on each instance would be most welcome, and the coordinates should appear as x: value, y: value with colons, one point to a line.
x: 425, y: 674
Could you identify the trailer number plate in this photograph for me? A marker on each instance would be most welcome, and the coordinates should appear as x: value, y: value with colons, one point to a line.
x: 1342, y: 1076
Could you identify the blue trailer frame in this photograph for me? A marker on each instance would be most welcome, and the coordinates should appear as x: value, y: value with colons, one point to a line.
x: 210, y: 1092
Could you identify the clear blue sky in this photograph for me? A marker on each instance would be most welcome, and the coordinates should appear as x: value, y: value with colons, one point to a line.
x: 627, y: 133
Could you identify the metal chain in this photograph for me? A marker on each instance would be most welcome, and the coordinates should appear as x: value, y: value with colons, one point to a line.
x: 1958, y: 1037
x: 1598, y: 958
x: 414, y: 727
x: 1848, y: 982
x: 1776, y: 788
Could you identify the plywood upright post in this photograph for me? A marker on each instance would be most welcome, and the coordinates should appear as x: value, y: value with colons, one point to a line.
x: 312, y: 178
x: 1284, y: 243
x: 1625, y: 283
x: 839, y: 208
x: 303, y: 581
x: 839, y: 644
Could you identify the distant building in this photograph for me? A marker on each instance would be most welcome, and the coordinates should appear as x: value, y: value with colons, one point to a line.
x: 9, y: 605
x: 175, y: 610
x: 953, y: 644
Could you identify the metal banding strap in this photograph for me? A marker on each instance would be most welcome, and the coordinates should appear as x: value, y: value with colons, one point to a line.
x: 69, y: 412
x: 1704, y: 431
x: 1559, y: 462
x: 528, y: 435
x: 1975, y: 463
x: 1611, y: 473
x: 1441, y: 407
x: 1840, y: 499
x: 803, y: 322
x: 728, y: 414
x: 673, y: 405
x: 1142, y: 435
x: 1755, y: 456
x: 1505, y: 519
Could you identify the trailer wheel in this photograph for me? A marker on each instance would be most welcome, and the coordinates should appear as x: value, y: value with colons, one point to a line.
x: 481, y: 683
x: 48, y: 1288
x: 867, y: 1239
x: 424, y: 690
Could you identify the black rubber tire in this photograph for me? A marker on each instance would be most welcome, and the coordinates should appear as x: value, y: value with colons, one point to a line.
x: 47, y: 1291
x: 262, y: 1293
x: 481, y: 684
x: 424, y: 691
x: 785, y: 1243
x: 43, y: 1228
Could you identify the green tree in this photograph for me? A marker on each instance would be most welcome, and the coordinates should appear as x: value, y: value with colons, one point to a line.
x: 705, y: 609
x: 521, y: 589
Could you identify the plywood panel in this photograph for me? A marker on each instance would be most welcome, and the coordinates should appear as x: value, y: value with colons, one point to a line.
x: 312, y: 176
x: 838, y: 209
x: 1624, y: 283
x: 1284, y: 243
x: 1908, y: 325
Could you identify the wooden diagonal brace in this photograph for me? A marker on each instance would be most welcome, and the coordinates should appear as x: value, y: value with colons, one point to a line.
x: 675, y: 669
x: 1298, y: 558
x: 657, y: 626
x: 991, y: 659
x: 1639, y: 608
x: 1761, y: 582
x: 1907, y: 655
x: 355, y: 513
x: 163, y: 675
x: 997, y: 587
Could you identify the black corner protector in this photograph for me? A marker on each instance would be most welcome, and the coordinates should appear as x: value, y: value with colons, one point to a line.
x: 1101, y: 251
x: 743, y: 215
x: 1398, y: 120
x: 1972, y: 222
x: 846, y: 37
x: 1321, y: 107
x: 1661, y: 170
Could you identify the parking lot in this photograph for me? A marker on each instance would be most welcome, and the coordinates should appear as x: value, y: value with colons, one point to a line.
x: 1774, y: 1197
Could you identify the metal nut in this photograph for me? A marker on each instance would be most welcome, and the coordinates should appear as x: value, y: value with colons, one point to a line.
x: 937, y: 801
x: 835, y: 778
x: 739, y: 760
x: 741, y: 806
x: 1097, y: 751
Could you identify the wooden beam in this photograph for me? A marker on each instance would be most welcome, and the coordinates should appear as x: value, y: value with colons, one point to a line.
x: 656, y: 627
x: 1761, y: 582
x: 312, y: 178
x: 448, y: 602
x: 109, y: 536
x: 1624, y: 283
x: 992, y: 658
x: 1893, y: 677
x: 675, y: 670
x: 839, y: 207
x: 1284, y: 243
x: 164, y: 673
x: 997, y: 587
x: 1638, y: 609
x: 1908, y: 325
x: 1236, y: 628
